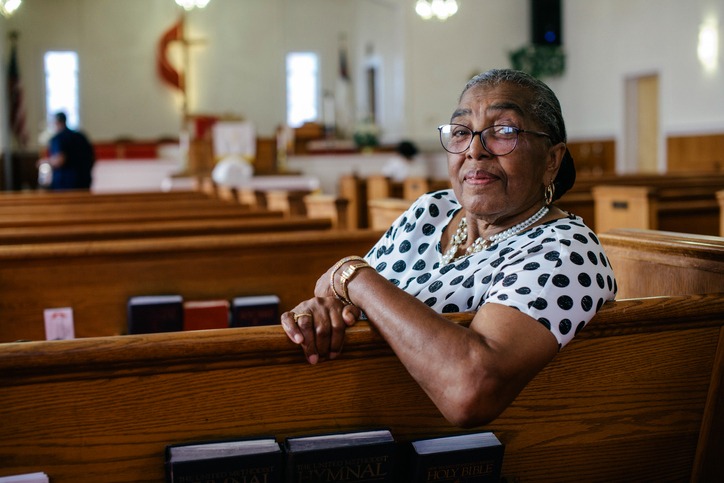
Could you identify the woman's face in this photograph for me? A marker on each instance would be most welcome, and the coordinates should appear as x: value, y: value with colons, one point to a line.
x: 500, y: 189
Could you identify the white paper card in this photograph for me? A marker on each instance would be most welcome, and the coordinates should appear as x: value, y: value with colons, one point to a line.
x: 39, y: 477
x: 59, y: 323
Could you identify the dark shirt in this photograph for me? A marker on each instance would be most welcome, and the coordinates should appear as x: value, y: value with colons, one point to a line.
x: 79, y: 159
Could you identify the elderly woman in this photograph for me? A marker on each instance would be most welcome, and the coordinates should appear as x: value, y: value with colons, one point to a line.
x: 495, y: 245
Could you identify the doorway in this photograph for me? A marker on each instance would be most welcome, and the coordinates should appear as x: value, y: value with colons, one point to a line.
x: 641, y: 133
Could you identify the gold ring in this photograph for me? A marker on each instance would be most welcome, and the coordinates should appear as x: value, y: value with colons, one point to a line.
x: 303, y: 314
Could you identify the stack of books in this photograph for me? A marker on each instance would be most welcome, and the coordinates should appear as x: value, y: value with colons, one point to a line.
x: 353, y: 457
x: 171, y: 313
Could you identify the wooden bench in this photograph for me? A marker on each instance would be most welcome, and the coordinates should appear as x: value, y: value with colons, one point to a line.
x: 354, y: 190
x: 360, y: 191
x: 720, y: 201
x: 579, y: 200
x: 637, y: 396
x: 96, y: 278
x: 20, y: 198
x: 692, y: 209
x: 151, y: 213
x: 160, y: 229
x: 129, y: 206
x: 651, y: 262
x: 384, y: 211
x: 319, y: 205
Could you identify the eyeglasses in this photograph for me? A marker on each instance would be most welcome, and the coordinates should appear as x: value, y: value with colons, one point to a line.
x: 497, y: 140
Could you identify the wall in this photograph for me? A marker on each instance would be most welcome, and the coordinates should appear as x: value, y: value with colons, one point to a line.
x: 612, y: 41
x: 422, y: 65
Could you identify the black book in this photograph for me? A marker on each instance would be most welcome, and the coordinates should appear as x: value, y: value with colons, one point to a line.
x: 255, y: 310
x: 360, y: 456
x: 257, y: 460
x: 155, y: 313
x: 464, y: 458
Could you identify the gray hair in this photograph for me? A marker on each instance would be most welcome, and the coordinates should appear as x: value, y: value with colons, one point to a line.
x: 545, y: 108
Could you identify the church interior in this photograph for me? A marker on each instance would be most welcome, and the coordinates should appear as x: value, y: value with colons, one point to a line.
x: 242, y: 147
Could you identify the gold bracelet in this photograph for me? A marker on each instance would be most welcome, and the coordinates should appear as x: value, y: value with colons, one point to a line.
x: 346, y: 276
x: 334, y: 270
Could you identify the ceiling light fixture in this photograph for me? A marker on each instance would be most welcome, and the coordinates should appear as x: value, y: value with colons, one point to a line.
x: 439, y: 9
x: 8, y: 7
x: 191, y: 4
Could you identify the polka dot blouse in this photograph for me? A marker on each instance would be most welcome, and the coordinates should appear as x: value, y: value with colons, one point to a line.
x: 556, y: 272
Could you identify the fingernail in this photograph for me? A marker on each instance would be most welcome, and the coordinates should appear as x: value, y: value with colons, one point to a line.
x: 313, y: 359
x: 333, y: 355
x: 298, y: 338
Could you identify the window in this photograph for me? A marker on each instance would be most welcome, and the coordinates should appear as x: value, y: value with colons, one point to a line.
x: 61, y: 86
x: 302, y: 88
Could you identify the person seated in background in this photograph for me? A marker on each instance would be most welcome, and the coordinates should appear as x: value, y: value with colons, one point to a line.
x: 405, y: 164
x: 71, y: 157
x: 495, y: 244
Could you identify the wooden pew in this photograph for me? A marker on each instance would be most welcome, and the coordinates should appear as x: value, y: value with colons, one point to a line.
x: 151, y: 213
x: 579, y: 200
x: 330, y: 207
x: 80, y: 209
x: 360, y: 191
x: 692, y: 209
x: 289, y: 202
x: 96, y: 278
x: 159, y: 229
x: 637, y: 396
x: 384, y: 211
x: 354, y: 190
x: 720, y: 201
x: 649, y: 262
x: 23, y: 198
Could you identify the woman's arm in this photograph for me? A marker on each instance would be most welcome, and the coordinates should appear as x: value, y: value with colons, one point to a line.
x: 471, y: 374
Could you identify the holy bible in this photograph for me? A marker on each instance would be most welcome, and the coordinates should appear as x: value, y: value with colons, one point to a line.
x: 463, y: 458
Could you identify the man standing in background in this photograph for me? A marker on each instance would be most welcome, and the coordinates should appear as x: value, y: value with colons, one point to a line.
x: 71, y: 157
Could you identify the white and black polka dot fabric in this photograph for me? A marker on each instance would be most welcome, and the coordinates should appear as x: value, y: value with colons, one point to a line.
x: 556, y: 272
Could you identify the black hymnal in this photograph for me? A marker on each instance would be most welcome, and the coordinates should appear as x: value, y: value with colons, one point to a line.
x: 464, y: 458
x: 360, y: 456
x: 258, y: 460
x: 254, y: 310
x: 155, y: 313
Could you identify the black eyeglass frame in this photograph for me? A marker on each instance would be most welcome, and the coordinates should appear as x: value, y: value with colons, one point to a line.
x: 518, y: 131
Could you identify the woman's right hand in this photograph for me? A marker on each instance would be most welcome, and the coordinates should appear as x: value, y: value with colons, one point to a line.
x: 318, y: 325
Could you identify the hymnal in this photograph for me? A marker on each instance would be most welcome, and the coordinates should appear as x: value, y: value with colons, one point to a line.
x: 360, y: 456
x: 155, y: 313
x: 254, y: 310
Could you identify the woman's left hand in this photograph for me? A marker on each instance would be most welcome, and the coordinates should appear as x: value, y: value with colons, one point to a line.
x: 319, y: 325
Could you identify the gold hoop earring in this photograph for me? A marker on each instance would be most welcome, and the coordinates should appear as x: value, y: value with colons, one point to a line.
x: 549, y: 192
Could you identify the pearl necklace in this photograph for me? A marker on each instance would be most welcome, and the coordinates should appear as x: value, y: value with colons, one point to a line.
x: 480, y: 244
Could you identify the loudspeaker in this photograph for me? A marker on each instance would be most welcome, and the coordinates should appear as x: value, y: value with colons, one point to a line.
x: 546, y: 22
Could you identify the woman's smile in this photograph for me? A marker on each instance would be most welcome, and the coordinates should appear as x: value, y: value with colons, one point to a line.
x: 479, y: 177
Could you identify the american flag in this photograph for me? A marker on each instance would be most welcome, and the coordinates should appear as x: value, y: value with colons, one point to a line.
x: 15, y: 97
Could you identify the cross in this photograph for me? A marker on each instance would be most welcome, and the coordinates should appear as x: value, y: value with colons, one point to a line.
x: 175, y: 35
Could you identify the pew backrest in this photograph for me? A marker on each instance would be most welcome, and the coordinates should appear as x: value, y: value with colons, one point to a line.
x: 149, y: 214
x: 635, y: 397
x: 159, y: 229
x: 24, y: 198
x: 690, y: 209
x: 96, y: 278
x: 650, y: 262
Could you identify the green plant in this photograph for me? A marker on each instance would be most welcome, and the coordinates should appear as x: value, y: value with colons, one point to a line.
x: 539, y: 60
